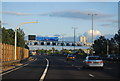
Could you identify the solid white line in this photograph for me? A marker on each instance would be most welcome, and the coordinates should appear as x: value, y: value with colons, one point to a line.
x: 79, y: 68
x: 108, y: 68
x: 91, y: 75
x: 45, y: 71
x: 16, y: 68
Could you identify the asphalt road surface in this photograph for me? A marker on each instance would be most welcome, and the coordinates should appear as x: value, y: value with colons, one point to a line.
x: 56, y: 68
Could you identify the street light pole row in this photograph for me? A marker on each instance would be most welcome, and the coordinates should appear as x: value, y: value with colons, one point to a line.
x: 92, y: 34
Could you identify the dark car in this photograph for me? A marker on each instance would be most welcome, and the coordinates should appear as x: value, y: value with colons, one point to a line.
x: 65, y: 54
x: 70, y: 57
x: 113, y: 57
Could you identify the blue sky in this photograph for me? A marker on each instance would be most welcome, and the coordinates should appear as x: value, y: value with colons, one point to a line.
x: 60, y: 17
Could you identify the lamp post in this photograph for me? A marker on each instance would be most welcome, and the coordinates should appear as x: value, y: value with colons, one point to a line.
x: 92, y: 30
x: 74, y: 37
x: 16, y: 36
x: 107, y: 46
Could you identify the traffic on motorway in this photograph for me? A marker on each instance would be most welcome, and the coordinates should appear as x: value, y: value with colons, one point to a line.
x: 62, y: 66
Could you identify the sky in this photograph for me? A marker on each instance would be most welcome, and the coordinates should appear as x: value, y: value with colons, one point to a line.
x: 58, y: 18
x: 60, y: 0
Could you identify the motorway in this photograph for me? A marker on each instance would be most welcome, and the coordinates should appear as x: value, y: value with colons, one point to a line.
x: 45, y: 68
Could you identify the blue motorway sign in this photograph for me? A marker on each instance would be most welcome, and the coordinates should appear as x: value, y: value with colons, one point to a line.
x: 40, y: 38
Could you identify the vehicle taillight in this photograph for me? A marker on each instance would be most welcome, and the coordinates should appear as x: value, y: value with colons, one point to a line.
x: 101, y: 61
x: 88, y: 62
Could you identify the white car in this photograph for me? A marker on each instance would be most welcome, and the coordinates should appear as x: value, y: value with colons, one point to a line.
x: 93, y: 61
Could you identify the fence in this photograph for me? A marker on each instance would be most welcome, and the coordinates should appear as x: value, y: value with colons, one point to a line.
x: 8, y: 52
x: 0, y: 52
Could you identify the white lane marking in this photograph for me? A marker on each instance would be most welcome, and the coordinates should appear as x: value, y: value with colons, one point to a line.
x: 91, y: 75
x: 79, y: 68
x: 45, y: 71
x: 17, y: 68
x: 108, y: 68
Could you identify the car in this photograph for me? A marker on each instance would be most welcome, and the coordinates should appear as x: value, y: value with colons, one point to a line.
x: 70, y: 57
x: 118, y: 57
x: 65, y: 54
x: 93, y: 61
x: 113, y: 57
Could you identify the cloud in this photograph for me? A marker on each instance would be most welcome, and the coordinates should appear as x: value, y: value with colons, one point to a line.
x: 3, y: 23
x: 60, y: 0
x: 72, y: 14
x: 15, y: 13
x: 96, y: 34
x: 105, y: 25
x: 57, y: 35
x: 77, y: 14
x: 113, y: 23
x: 110, y: 20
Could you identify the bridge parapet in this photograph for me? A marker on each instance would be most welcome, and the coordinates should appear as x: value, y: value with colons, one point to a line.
x: 54, y: 43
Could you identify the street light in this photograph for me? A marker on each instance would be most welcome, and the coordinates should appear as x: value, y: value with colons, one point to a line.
x: 92, y: 30
x: 16, y: 34
x: 107, y: 46
x: 74, y: 37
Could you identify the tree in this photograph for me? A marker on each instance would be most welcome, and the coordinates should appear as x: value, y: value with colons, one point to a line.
x: 117, y: 41
x: 8, y: 37
x: 20, y: 38
x: 26, y: 46
x: 11, y: 36
x: 53, y: 49
x: 0, y: 33
x: 100, y: 45
x: 0, y: 24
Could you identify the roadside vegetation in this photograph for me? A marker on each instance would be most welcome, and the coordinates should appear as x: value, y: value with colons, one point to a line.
x: 64, y: 51
x: 8, y: 37
x: 102, y: 44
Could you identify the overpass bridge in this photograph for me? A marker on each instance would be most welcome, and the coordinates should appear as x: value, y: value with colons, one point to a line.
x: 47, y: 45
x: 52, y: 43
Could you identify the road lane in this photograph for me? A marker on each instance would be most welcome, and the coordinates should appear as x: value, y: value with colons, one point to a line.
x: 110, y: 71
x: 59, y: 69
x: 62, y: 69
x: 31, y: 71
x: 6, y: 72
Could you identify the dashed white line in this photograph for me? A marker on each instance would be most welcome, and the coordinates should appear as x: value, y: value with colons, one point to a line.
x: 78, y: 68
x: 16, y: 68
x: 45, y: 71
x: 91, y: 75
x: 108, y: 68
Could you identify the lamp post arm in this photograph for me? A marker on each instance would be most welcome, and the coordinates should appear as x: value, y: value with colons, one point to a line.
x: 25, y: 23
